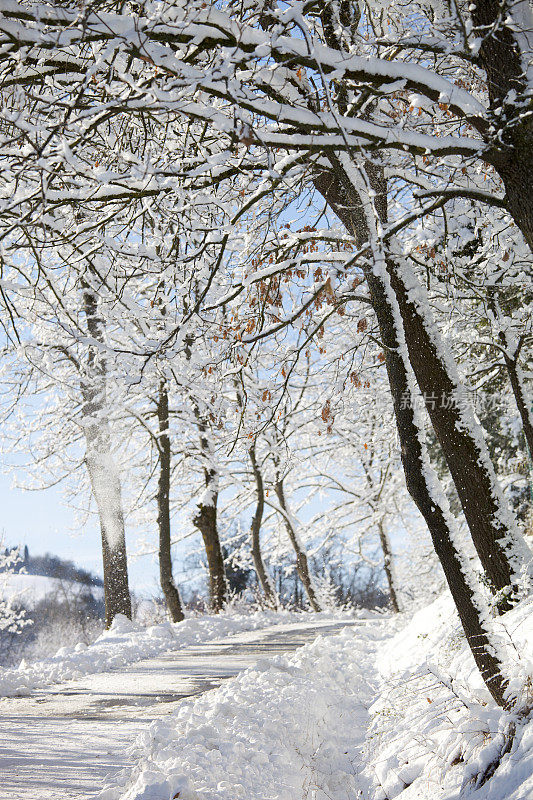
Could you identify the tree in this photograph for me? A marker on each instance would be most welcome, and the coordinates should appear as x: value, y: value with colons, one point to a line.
x: 168, y: 586
x: 302, y: 562
x: 103, y: 473
x: 255, y: 531
x: 328, y: 96
x: 13, y: 617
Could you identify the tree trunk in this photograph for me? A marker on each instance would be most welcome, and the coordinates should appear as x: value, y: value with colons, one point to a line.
x: 168, y: 587
x: 522, y: 403
x: 422, y: 483
x: 491, y: 526
x: 103, y: 473
x: 505, y: 64
x: 302, y: 565
x: 255, y: 532
x: 388, y: 566
x: 206, y: 522
x: 205, y: 518
x: 511, y: 354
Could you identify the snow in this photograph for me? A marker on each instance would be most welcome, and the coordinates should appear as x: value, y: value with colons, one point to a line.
x: 127, y: 642
x: 29, y: 590
x: 434, y: 726
x: 287, y: 728
x: 378, y: 711
x: 60, y: 742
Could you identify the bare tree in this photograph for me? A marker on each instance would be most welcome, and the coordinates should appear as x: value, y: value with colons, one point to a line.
x: 103, y: 471
x: 168, y: 585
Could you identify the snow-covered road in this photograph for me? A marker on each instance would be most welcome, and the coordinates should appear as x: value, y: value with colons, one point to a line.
x: 60, y: 742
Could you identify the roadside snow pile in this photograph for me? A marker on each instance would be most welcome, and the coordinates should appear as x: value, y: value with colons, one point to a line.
x: 368, y: 713
x: 126, y: 642
x: 291, y: 728
x: 435, y: 729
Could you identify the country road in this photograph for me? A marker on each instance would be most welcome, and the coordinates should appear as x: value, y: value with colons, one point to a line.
x: 60, y: 742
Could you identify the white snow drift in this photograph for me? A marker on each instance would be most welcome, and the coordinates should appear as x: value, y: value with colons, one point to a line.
x: 363, y: 714
x: 127, y: 642
x: 290, y: 728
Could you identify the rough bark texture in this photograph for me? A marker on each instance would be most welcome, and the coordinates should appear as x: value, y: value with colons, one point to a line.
x: 206, y: 522
x: 474, y: 483
x: 103, y: 474
x: 302, y: 565
x: 387, y: 566
x: 512, y: 148
x: 434, y: 516
x: 413, y: 463
x: 168, y: 587
x: 412, y: 458
x: 255, y: 533
x: 523, y: 404
x: 116, y: 586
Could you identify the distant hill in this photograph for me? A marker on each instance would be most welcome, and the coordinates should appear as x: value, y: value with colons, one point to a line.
x: 30, y: 590
x: 51, y: 566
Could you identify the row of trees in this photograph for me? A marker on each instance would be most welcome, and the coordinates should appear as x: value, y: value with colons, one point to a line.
x: 228, y: 228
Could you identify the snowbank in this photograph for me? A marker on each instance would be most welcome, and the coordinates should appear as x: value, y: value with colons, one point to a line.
x: 288, y: 729
x: 434, y: 726
x: 127, y: 642
x: 376, y: 713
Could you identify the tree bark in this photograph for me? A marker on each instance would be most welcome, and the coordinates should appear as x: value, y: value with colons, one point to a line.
x: 438, y: 519
x: 500, y: 56
x: 489, y: 520
x: 388, y: 566
x: 206, y: 522
x: 168, y: 586
x: 419, y: 476
x: 485, y: 509
x: 302, y: 565
x: 103, y: 472
x: 422, y: 483
x: 255, y: 533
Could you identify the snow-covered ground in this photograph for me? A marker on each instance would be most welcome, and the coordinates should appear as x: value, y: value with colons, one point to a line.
x: 435, y: 728
x: 59, y: 742
x: 28, y: 590
x: 370, y: 713
x: 390, y: 707
x: 291, y: 728
x: 127, y: 642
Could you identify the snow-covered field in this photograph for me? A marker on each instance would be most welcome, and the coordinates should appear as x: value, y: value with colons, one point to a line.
x: 127, y: 642
x: 370, y: 713
x: 28, y: 590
